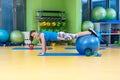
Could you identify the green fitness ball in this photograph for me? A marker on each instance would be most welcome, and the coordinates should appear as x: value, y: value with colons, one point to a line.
x: 63, y: 24
x: 86, y: 25
x: 16, y: 36
x: 119, y: 43
x: 110, y: 14
x: 98, y: 13
x: 58, y: 24
x: 115, y: 42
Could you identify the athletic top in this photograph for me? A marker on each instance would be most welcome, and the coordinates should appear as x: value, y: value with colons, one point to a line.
x: 52, y: 36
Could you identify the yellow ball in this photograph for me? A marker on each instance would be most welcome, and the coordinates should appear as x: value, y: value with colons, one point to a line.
x: 53, y: 23
x: 53, y: 44
x: 40, y: 24
x: 44, y: 23
x: 48, y: 23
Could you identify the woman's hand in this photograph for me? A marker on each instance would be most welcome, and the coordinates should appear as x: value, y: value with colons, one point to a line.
x: 41, y: 53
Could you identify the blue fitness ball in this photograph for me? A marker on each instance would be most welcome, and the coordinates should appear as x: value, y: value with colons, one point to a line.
x: 87, y: 42
x: 4, y: 35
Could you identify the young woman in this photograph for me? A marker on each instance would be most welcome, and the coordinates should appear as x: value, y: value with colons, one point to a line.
x: 54, y: 36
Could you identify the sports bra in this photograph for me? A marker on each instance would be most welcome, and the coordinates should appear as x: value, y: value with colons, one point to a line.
x: 48, y: 35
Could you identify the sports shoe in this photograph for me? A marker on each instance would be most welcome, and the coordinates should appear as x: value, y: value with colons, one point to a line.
x: 93, y: 32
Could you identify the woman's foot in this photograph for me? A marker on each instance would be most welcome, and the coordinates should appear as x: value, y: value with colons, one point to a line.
x: 93, y: 32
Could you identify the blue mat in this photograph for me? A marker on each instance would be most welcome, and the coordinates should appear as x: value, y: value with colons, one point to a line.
x: 41, y: 48
x: 29, y: 49
x: 61, y: 54
x: 72, y: 48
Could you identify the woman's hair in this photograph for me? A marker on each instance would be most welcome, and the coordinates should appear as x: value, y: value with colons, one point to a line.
x: 31, y: 38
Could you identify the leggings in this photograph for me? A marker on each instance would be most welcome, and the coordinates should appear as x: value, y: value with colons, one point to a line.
x: 66, y: 36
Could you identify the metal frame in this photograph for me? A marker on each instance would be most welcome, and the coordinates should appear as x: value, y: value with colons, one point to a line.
x: 90, y: 8
x: 118, y: 9
x: 0, y: 14
x: 108, y: 4
x: 14, y: 14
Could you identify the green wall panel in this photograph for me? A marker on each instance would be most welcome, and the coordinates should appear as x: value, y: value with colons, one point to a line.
x: 78, y: 15
x: 71, y: 7
x: 73, y: 12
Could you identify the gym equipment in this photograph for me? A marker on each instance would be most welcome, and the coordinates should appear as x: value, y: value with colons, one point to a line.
x: 58, y: 24
x: 31, y: 47
x: 87, y: 44
x: 16, y: 36
x: 63, y: 24
x: 50, y: 19
x: 86, y: 25
x: 88, y: 52
x: 4, y: 35
x: 44, y: 23
x: 48, y: 24
x: 61, y: 54
x: 110, y: 14
x: 99, y: 36
x: 70, y: 48
x: 98, y: 13
x: 53, y: 24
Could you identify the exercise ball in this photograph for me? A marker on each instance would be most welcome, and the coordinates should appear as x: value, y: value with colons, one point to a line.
x: 98, y: 13
x: 16, y: 36
x: 86, y: 25
x: 110, y: 14
x: 99, y: 36
x: 87, y: 42
x: 4, y: 35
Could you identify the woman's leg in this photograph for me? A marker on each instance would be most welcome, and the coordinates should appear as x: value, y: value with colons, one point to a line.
x: 90, y: 31
x: 83, y: 33
x: 70, y: 36
x: 66, y: 36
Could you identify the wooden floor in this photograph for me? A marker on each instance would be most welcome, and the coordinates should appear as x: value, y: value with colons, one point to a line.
x: 26, y: 65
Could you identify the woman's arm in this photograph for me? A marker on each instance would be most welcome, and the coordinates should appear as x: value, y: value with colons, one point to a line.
x: 43, y: 44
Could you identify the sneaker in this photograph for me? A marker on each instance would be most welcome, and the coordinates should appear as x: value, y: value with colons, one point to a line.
x: 93, y: 32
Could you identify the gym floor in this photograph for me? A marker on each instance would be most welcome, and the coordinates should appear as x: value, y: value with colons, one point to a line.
x: 26, y: 65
